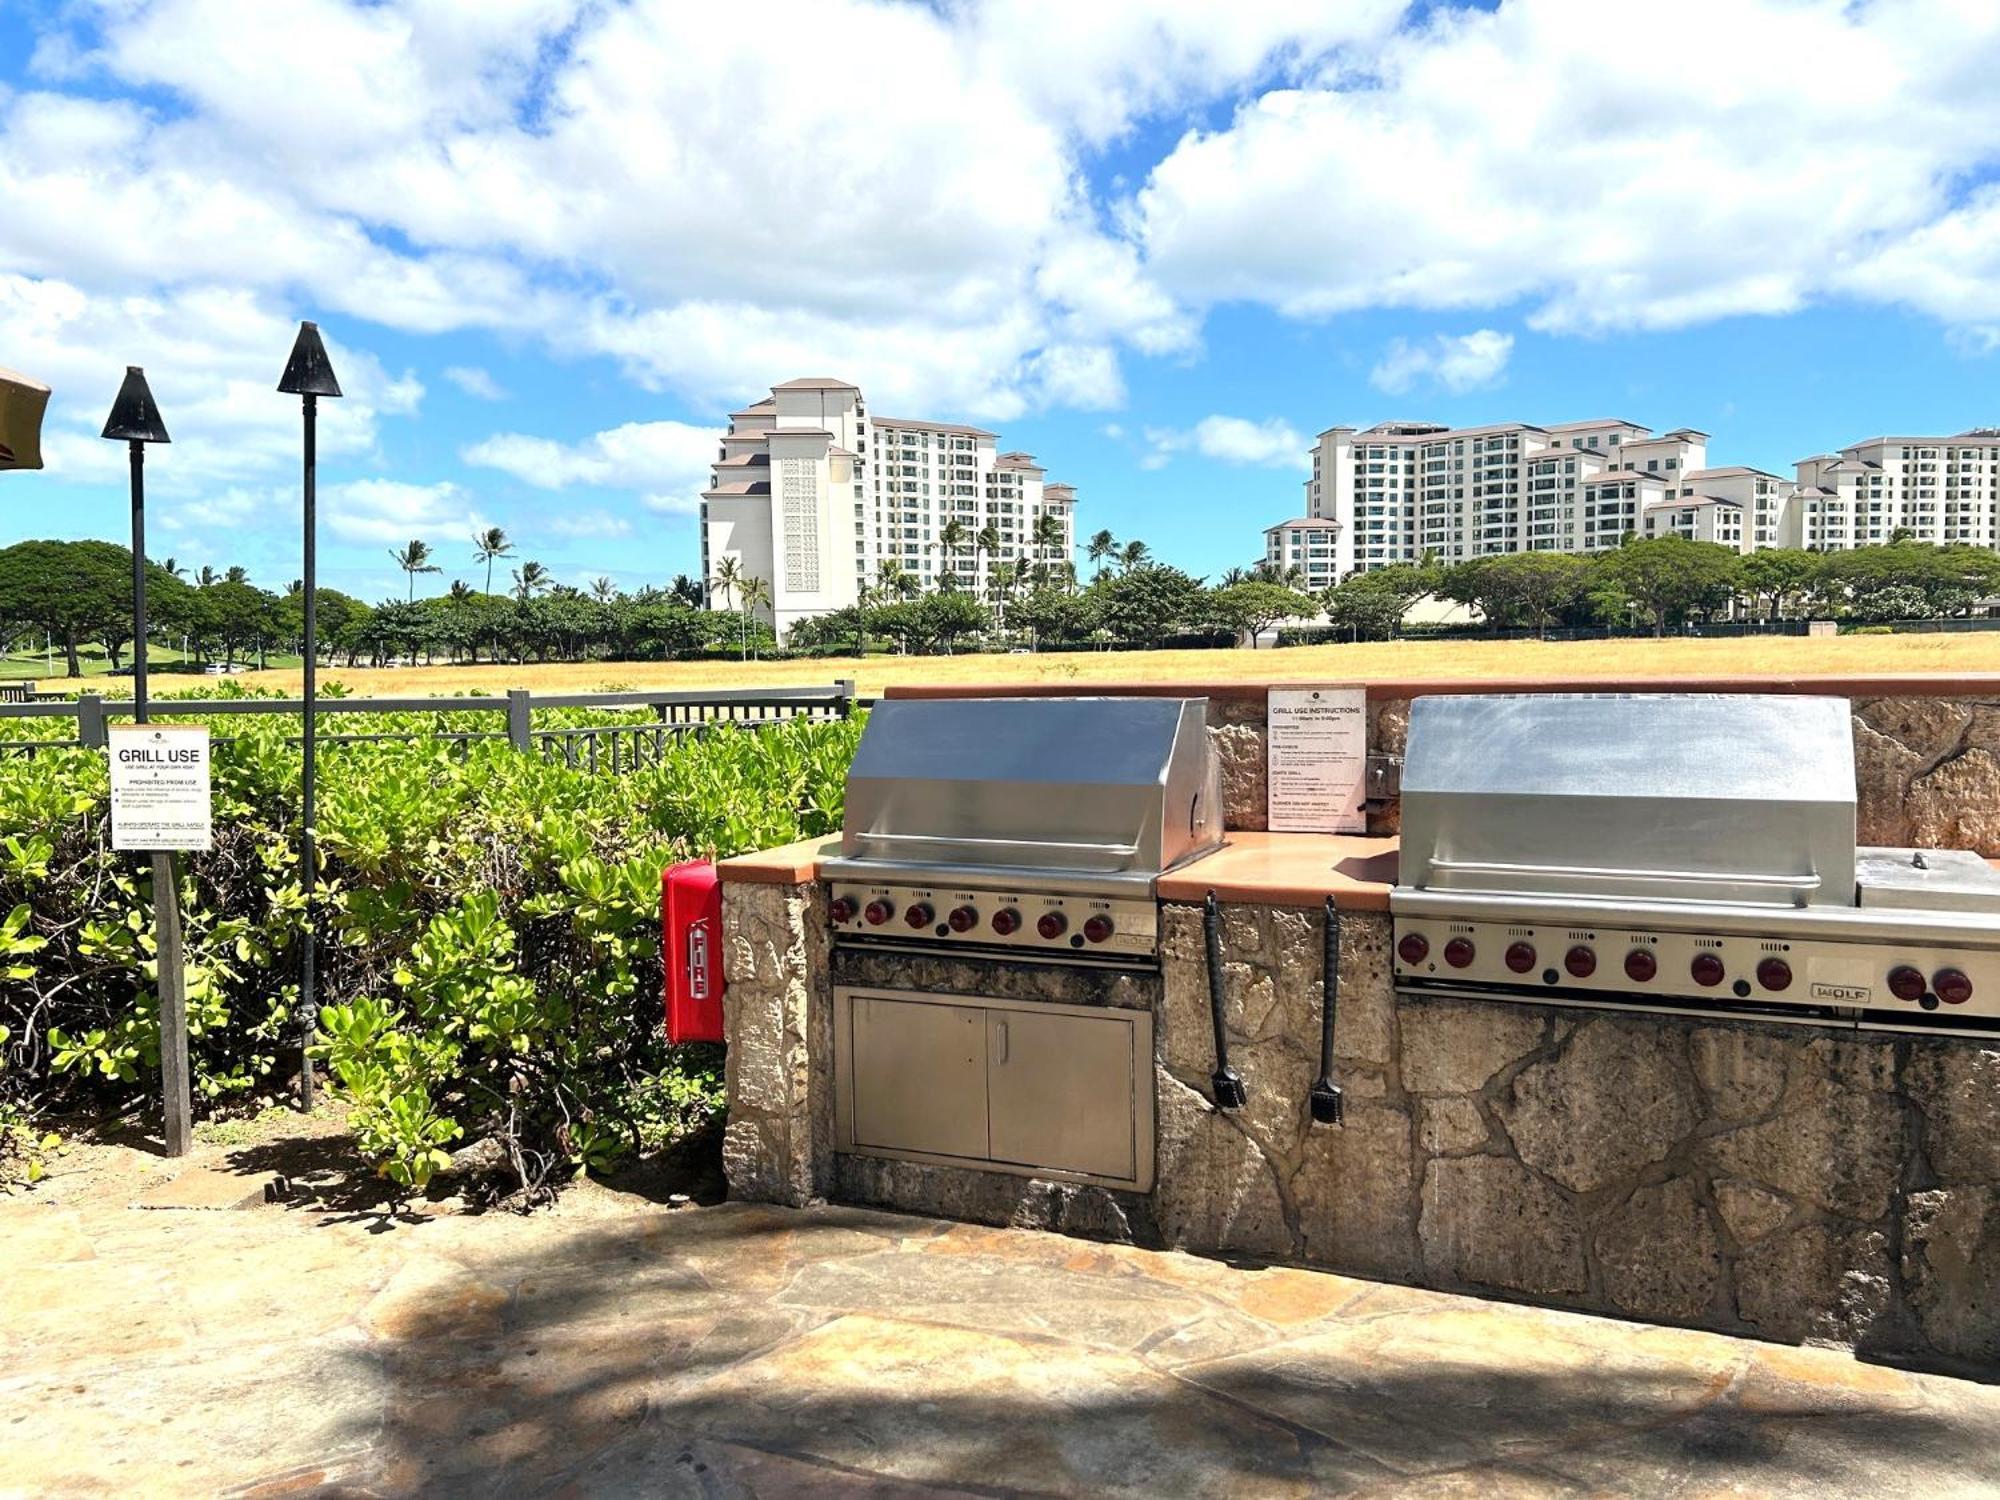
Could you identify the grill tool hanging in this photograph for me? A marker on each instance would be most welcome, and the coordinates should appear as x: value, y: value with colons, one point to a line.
x: 1325, y: 1096
x: 1227, y: 1083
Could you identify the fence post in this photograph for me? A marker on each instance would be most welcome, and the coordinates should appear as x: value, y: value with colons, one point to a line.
x: 843, y: 702
x: 90, y: 722
x: 517, y: 718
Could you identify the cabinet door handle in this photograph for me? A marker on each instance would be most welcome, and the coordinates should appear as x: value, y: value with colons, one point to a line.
x: 1003, y: 1039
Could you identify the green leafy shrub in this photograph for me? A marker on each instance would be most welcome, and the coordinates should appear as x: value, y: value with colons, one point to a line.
x: 489, y: 956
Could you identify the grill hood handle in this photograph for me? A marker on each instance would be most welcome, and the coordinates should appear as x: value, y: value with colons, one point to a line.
x: 1325, y: 1096
x: 1226, y: 1082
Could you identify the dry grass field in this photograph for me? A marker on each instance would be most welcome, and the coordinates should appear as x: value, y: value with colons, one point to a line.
x: 1389, y: 661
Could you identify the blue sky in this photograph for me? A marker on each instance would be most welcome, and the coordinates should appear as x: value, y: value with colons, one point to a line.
x: 552, y: 242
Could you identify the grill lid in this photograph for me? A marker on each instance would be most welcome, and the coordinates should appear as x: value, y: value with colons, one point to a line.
x: 1680, y: 797
x: 1102, y: 786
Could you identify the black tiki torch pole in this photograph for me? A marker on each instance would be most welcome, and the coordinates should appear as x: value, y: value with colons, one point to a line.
x: 135, y: 419
x: 308, y: 1003
x: 309, y: 375
x: 138, y: 450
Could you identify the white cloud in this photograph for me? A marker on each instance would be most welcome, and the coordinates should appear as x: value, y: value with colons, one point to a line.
x: 1457, y: 364
x: 1272, y: 443
x: 1531, y: 154
x: 640, y: 182
x: 475, y: 382
x: 392, y: 512
x: 212, y: 358
x: 668, y: 464
x: 586, y: 523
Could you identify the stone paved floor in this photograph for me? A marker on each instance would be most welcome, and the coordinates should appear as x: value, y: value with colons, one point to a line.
x: 618, y: 1347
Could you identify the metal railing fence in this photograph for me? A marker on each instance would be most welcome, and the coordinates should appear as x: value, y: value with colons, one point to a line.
x: 612, y: 747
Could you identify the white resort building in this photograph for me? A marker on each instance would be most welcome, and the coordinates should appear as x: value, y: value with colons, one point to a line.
x: 1400, y: 490
x: 813, y: 494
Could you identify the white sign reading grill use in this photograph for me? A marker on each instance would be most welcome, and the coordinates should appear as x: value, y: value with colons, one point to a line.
x: 159, y: 787
x: 1317, y: 760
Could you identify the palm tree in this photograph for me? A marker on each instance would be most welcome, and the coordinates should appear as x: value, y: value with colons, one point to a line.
x: 988, y: 542
x: 207, y: 577
x: 530, y: 578
x: 237, y: 574
x: 954, y: 537
x: 755, y: 592
x: 897, y: 581
x: 1134, y: 554
x: 603, y: 590
x: 1048, y: 540
x: 1101, y: 548
x: 172, y: 568
x: 1231, y: 578
x: 728, y: 578
x: 686, y: 591
x: 487, y: 545
x: 415, y: 559
x: 459, y: 592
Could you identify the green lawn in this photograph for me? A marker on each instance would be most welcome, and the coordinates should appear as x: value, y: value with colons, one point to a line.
x: 40, y: 666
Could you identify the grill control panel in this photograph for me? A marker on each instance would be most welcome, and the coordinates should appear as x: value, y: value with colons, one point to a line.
x: 1048, y: 922
x: 1635, y: 966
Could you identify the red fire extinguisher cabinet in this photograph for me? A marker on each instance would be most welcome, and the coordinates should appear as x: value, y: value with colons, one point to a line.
x: 691, y: 951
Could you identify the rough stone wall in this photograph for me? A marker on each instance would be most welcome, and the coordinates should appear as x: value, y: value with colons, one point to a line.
x: 1763, y: 1179
x: 1927, y: 769
x: 778, y: 1144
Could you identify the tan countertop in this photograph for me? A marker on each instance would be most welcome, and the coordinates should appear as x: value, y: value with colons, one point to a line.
x: 1276, y: 869
x: 788, y: 864
x: 1291, y: 869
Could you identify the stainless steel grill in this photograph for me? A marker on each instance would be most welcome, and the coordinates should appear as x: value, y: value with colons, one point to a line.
x: 1036, y: 823
x: 1678, y: 852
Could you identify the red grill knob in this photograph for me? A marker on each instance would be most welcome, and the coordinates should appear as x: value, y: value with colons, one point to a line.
x: 963, y: 918
x: 1774, y: 973
x: 1414, y: 948
x: 1099, y: 928
x: 919, y: 915
x: 1706, y: 969
x: 1641, y: 965
x: 1906, y: 983
x: 1052, y: 925
x: 842, y: 909
x: 1952, y: 986
x: 1520, y: 957
x: 1006, y: 921
x: 1458, y: 952
x: 1581, y: 961
x: 878, y: 912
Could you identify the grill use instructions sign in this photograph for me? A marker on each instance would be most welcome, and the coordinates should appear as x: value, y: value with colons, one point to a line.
x: 159, y: 787
x: 1317, y: 761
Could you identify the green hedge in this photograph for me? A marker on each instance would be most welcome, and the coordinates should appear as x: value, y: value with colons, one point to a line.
x: 489, y: 966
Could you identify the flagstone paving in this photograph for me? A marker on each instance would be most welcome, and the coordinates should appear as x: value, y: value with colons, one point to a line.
x: 616, y: 1346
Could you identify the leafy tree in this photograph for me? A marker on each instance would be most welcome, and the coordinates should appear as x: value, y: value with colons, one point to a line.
x: 1779, y: 574
x: 1369, y: 612
x: 1253, y: 607
x: 1671, y: 578
x: 1053, y: 614
x: 945, y: 618
x: 413, y: 559
x: 1145, y: 605
x: 1520, y: 588
x: 79, y: 591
